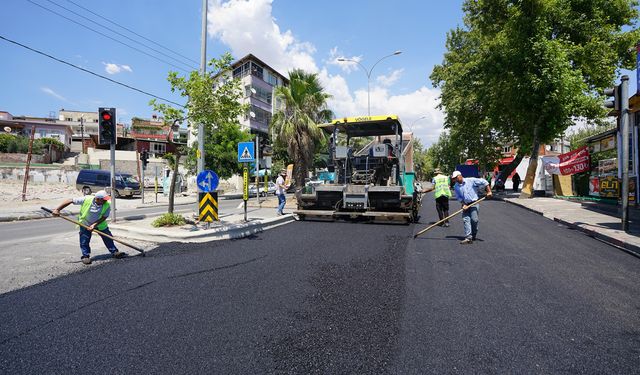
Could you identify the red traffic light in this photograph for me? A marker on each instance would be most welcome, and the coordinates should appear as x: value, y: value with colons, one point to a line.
x: 106, y: 116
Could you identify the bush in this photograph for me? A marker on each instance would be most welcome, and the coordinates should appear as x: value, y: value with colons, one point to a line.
x: 13, y: 144
x: 168, y: 220
x: 49, y: 141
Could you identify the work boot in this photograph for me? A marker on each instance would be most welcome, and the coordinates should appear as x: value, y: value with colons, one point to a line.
x: 118, y: 254
x: 86, y: 260
x: 466, y: 241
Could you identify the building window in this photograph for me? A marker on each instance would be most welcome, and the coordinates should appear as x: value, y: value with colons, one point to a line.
x: 256, y: 70
x: 261, y: 94
x: 158, y: 148
x: 262, y: 116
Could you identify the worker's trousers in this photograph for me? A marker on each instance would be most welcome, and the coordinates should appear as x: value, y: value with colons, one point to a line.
x: 85, y: 239
x: 282, y: 199
x: 470, y: 220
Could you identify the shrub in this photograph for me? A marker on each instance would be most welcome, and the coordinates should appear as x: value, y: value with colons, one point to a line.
x: 50, y: 141
x: 168, y: 220
x: 5, y: 140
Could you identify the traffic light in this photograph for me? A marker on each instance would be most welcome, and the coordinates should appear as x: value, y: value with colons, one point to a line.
x: 106, y: 126
x: 614, y: 102
x: 145, y: 158
x: 265, y: 148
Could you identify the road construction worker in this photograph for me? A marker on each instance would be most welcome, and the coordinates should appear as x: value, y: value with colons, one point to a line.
x: 94, y: 212
x: 467, y: 190
x: 441, y: 185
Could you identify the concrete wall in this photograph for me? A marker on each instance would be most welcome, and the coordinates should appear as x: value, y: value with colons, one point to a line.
x: 40, y: 175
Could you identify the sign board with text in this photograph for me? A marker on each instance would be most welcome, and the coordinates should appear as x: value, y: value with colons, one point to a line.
x: 572, y: 162
x: 245, y: 183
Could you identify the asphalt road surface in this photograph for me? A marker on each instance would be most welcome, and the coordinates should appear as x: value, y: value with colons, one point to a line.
x: 528, y: 297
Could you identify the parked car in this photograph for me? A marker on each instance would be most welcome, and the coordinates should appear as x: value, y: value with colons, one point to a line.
x: 92, y: 180
x: 271, y: 189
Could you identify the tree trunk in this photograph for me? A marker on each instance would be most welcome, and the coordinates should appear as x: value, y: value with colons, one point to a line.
x: 172, y: 187
x: 506, y: 171
x: 527, y: 188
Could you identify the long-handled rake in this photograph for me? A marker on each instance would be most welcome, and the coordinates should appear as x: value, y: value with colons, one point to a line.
x: 97, y: 231
x: 446, y: 218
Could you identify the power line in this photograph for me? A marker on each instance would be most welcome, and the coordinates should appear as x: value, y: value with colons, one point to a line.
x: 132, y: 32
x: 89, y: 71
x: 122, y: 35
x: 106, y: 36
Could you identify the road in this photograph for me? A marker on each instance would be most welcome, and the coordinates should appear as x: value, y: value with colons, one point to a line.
x: 529, y: 297
x: 21, y: 231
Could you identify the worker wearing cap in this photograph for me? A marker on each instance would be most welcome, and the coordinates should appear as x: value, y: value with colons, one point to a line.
x: 443, y: 193
x: 467, y: 190
x: 281, y: 189
x: 94, y: 212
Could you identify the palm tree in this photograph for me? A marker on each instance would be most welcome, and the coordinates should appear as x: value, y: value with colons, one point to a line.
x: 295, y: 125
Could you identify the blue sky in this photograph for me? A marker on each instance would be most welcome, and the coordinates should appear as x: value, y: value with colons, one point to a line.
x: 285, y: 34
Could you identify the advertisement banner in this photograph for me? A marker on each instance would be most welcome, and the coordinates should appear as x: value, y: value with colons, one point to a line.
x: 572, y: 162
x: 287, y: 180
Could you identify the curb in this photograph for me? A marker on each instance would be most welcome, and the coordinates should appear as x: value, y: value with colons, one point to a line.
x: 32, y: 215
x: 229, y: 231
x: 608, y: 239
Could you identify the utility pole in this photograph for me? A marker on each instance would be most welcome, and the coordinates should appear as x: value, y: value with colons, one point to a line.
x: 26, y: 171
x: 203, y: 67
x: 82, y: 132
x: 624, y: 127
x: 258, y: 168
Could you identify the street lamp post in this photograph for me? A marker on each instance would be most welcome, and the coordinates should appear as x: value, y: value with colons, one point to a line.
x: 416, y: 120
x: 368, y: 73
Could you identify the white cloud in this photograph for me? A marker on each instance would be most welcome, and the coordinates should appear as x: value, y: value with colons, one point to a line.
x: 349, y: 65
x: 50, y: 92
x: 247, y: 26
x: 389, y: 80
x: 115, y: 68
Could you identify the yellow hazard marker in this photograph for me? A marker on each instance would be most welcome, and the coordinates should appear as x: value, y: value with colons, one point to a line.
x: 208, y: 207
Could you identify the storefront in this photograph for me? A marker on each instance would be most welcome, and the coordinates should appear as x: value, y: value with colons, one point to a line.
x: 606, y: 159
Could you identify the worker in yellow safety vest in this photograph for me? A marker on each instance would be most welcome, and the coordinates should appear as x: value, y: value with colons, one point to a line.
x: 441, y: 185
x: 94, y: 212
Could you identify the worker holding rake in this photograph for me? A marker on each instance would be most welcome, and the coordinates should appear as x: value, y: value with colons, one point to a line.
x: 467, y: 190
x: 94, y: 212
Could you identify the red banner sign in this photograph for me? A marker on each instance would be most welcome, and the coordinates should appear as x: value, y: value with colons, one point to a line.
x: 575, y: 161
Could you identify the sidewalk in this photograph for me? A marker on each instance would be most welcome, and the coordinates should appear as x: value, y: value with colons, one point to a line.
x: 230, y: 226
x: 589, y: 218
x: 30, y: 209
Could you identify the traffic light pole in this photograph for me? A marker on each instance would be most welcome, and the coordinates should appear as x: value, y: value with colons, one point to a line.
x: 142, y: 182
x: 112, y: 147
x: 624, y: 128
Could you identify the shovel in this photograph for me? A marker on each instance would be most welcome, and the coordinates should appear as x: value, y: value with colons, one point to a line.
x: 447, y: 218
x: 97, y: 231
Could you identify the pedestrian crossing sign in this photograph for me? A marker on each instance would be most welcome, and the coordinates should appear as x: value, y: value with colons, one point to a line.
x: 246, y: 153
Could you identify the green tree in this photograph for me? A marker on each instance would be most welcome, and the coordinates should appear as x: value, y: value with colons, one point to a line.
x: 295, y: 125
x: 523, y: 70
x: 213, y: 99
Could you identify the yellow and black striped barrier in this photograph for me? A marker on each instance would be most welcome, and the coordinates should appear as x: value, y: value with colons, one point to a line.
x: 208, y: 207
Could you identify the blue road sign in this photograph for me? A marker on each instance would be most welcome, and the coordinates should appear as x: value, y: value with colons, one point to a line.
x: 207, y: 181
x: 246, y: 152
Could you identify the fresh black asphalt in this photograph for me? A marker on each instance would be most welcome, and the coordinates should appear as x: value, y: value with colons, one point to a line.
x: 310, y: 297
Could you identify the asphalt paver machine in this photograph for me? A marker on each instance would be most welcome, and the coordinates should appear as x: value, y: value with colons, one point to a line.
x: 374, y: 182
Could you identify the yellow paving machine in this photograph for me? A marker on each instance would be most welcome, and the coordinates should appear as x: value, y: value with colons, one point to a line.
x: 374, y: 181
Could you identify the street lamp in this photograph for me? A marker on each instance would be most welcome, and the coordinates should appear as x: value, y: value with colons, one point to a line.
x: 368, y: 73
x: 414, y: 122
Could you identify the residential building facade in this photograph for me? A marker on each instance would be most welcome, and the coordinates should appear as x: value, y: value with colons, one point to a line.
x: 44, y: 127
x: 259, y: 82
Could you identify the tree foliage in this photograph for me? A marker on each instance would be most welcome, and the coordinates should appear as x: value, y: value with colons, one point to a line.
x: 294, y: 127
x: 523, y: 70
x: 213, y: 99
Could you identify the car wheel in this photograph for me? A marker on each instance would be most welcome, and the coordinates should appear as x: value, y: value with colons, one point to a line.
x: 117, y: 194
x: 86, y: 190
